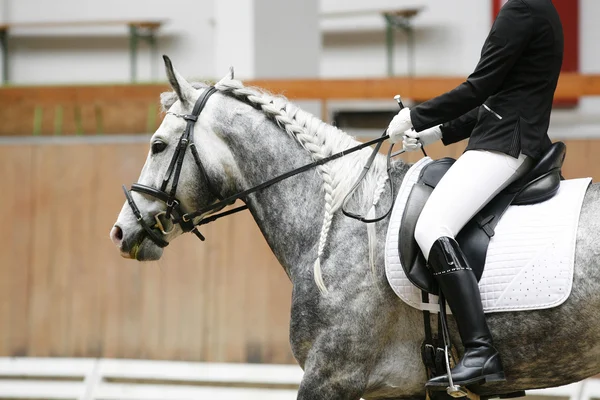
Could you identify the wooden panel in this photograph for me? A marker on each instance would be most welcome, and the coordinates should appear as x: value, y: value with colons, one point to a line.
x: 65, y: 291
x: 15, y: 245
x: 420, y: 88
x: 383, y: 88
x: 132, y: 108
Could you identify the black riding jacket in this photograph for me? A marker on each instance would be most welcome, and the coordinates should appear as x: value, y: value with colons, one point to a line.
x: 505, y: 104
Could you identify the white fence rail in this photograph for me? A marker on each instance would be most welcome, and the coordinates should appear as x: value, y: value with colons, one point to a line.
x: 108, y: 379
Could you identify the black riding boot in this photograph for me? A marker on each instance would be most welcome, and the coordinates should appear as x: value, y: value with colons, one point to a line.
x: 481, y: 362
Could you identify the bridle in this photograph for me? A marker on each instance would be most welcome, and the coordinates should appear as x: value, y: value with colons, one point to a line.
x: 185, y: 220
x: 174, y: 211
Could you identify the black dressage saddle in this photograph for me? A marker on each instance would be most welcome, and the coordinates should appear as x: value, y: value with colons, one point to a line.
x: 539, y: 184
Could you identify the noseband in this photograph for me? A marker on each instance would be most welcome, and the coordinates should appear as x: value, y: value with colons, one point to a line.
x: 185, y: 220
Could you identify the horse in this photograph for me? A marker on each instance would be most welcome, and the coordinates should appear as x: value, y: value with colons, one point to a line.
x: 348, y: 331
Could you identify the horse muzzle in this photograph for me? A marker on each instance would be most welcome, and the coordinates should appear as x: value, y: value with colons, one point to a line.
x: 136, y: 246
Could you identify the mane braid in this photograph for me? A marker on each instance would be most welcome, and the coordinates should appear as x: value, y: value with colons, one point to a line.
x: 320, y: 140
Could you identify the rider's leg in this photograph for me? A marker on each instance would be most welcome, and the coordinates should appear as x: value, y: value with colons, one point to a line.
x: 475, y: 178
x: 472, y: 181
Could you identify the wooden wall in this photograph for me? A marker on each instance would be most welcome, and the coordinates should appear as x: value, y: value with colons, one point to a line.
x: 65, y: 291
x: 118, y: 109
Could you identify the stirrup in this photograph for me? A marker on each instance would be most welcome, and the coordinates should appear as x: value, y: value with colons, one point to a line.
x: 453, y: 390
x: 469, y: 395
x: 456, y: 391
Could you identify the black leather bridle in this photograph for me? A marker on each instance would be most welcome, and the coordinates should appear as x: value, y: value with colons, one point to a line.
x: 177, y: 215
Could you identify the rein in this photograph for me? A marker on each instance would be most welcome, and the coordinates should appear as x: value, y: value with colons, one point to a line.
x: 366, y: 169
x: 176, y: 215
x: 241, y: 195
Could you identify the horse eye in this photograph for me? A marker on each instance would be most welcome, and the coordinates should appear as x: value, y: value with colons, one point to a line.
x: 158, y: 146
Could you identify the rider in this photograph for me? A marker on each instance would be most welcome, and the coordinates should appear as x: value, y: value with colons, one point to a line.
x: 504, y: 107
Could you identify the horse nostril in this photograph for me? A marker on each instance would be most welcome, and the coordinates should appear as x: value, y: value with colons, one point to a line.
x: 116, y: 235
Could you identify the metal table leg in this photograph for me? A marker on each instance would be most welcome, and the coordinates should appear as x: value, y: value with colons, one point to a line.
x: 133, y: 46
x: 412, y: 62
x: 400, y: 22
x: 389, y: 38
x: 4, y: 50
x: 147, y: 33
x: 151, y: 39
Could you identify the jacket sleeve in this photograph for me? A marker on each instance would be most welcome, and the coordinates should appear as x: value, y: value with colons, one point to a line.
x: 508, y: 37
x: 459, y: 128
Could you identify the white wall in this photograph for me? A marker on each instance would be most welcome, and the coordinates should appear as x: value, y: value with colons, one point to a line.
x: 205, y: 37
x: 100, y: 54
x: 287, y: 39
x: 202, y: 37
x: 234, y: 38
x: 3, y: 7
x: 259, y: 39
x: 589, y: 56
x: 449, y: 36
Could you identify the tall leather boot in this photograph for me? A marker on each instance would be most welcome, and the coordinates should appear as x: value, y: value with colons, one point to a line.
x: 481, y: 362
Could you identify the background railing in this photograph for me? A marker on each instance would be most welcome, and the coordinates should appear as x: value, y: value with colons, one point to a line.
x: 110, y: 109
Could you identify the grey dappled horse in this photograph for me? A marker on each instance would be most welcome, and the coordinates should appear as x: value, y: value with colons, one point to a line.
x: 352, y: 336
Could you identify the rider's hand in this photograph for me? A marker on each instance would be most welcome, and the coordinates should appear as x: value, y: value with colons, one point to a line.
x: 415, y: 140
x: 399, y: 125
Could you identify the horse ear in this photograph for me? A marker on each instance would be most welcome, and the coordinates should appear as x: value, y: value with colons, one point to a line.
x: 184, y: 90
x: 227, y: 77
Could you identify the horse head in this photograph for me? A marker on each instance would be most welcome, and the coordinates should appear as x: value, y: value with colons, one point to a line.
x: 175, y: 178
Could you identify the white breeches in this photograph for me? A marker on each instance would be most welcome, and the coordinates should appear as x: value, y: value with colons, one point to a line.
x: 472, y: 181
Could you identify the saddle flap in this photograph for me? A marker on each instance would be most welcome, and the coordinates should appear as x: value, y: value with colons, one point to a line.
x: 412, y: 259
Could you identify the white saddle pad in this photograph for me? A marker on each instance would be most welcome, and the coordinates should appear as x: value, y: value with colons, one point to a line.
x: 530, y: 259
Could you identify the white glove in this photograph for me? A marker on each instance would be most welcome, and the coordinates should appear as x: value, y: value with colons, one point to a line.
x: 415, y: 140
x: 400, y: 124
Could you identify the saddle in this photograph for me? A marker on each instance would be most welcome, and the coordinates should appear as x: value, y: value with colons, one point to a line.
x: 539, y: 184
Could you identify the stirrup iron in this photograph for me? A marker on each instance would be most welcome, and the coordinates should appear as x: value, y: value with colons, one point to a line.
x: 453, y: 390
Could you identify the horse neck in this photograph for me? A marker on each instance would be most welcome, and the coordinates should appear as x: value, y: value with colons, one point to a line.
x: 289, y: 213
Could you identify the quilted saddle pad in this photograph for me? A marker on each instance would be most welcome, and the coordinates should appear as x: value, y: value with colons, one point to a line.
x: 530, y: 259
